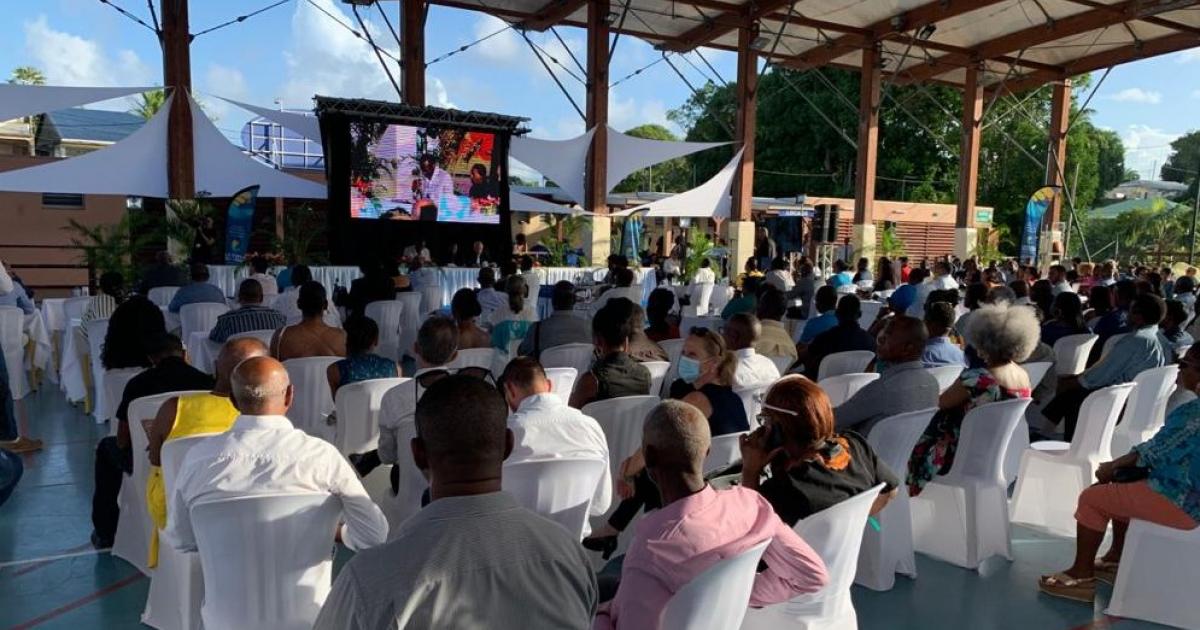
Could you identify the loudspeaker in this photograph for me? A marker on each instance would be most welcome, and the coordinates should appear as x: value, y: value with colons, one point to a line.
x: 825, y: 223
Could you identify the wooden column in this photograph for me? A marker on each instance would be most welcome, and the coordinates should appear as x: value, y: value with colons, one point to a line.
x: 412, y: 37
x: 177, y: 76
x: 968, y: 170
x: 1056, y: 149
x: 596, y: 111
x: 868, y: 151
x: 741, y: 225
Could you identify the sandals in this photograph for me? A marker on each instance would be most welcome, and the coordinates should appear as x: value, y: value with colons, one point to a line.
x: 1106, y: 571
x: 1067, y: 587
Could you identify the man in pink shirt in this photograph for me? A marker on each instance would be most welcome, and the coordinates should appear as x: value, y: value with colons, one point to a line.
x: 698, y: 527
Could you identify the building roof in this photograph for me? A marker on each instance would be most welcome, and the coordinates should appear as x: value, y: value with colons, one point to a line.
x: 1149, y: 184
x: 93, y: 125
x: 1114, y: 210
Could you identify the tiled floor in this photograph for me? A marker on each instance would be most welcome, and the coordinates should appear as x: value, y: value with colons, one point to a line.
x: 49, y: 516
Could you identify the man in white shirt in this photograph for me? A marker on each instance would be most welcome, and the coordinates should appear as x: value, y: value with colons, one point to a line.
x: 436, y: 184
x: 941, y: 281
x: 780, y: 276
x: 1057, y: 275
x: 545, y: 427
x: 263, y: 454
x: 490, y: 300
x: 623, y: 278
x: 705, y: 274
x: 532, y: 279
x: 270, y: 288
x: 753, y: 370
x: 436, y: 346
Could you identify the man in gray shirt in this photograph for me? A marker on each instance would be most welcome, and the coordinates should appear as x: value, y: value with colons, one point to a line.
x: 562, y: 327
x: 473, y: 557
x: 903, y: 386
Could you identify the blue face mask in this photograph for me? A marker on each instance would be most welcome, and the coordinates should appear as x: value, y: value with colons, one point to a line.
x: 689, y: 369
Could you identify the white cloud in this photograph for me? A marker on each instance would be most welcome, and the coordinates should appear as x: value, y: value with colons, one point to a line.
x: 625, y: 113
x: 1146, y: 149
x: 72, y: 60
x: 506, y: 47
x: 1137, y: 95
x: 340, y: 64
x: 436, y: 94
x: 229, y: 82
x: 1188, y: 56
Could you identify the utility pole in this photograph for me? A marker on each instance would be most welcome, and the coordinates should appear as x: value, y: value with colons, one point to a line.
x: 176, y: 40
x: 1195, y: 212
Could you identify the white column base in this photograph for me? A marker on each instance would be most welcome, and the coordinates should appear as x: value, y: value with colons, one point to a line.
x: 597, y: 244
x: 863, y: 242
x: 966, y: 242
x: 741, y: 244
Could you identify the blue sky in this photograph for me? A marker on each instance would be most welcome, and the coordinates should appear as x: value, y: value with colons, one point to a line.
x: 294, y: 51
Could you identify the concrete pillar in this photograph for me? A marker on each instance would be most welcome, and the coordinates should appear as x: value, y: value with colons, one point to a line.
x: 599, y: 244
x: 741, y: 225
x: 965, y: 234
x: 863, y: 239
x: 412, y: 26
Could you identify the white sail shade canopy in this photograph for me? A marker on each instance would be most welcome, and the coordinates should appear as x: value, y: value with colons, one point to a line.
x: 25, y: 100
x: 306, y: 126
x: 708, y: 200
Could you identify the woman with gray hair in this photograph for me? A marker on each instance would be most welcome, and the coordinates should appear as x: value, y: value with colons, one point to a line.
x: 1003, y: 335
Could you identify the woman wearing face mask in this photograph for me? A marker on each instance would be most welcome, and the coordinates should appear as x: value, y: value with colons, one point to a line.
x: 705, y: 381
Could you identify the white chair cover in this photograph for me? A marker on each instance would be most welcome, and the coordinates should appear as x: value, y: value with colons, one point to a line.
x: 1158, y: 567
x: 658, y: 374
x: 73, y: 307
x: 1020, y: 439
x: 870, y: 310
x: 1110, y: 342
x: 1071, y: 353
x: 97, y: 329
x: 752, y: 402
x: 718, y: 598
x: 162, y: 296
x: 946, y: 375
x: 841, y: 387
x: 782, y: 363
x: 674, y: 350
x: 357, y: 429
x: 621, y: 419
x: 114, y: 382
x: 412, y: 483
x: 836, y: 534
x: 962, y: 517
x: 267, y: 560
x: 410, y: 320
x: 12, y: 344
x: 311, y: 399
x: 1050, y: 481
x: 431, y: 300
x: 849, y: 362
x: 701, y: 295
x: 386, y: 314
x: 889, y: 550
x: 474, y: 357
x: 723, y: 451
x: 572, y: 355
x: 1146, y: 410
x: 562, y: 381
x: 1037, y: 371
x: 264, y: 336
x: 200, y: 317
x: 559, y: 489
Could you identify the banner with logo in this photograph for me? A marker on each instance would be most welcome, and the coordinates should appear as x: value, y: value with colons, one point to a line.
x: 631, y: 238
x: 238, y: 224
x: 1035, y: 211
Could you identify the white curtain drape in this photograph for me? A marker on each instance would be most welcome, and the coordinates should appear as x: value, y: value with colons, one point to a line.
x: 627, y: 154
x: 26, y: 100
x: 710, y: 199
x: 561, y: 161
x: 306, y: 126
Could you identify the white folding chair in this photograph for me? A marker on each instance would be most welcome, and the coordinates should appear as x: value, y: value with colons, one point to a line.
x: 560, y: 489
x: 1110, y: 342
x: 410, y: 320
x: 1037, y: 371
x: 177, y: 586
x: 1146, y: 410
x: 701, y: 295
x: 358, y: 405
x: 1158, y: 567
x: 1053, y: 474
x: 572, y: 355
x: 431, y: 300
x: 162, y: 296
x: 562, y: 380
x: 841, y: 387
x: 889, y: 550
x: 113, y: 382
x: 311, y: 399
x: 1071, y: 353
x: 658, y: 374
x: 200, y: 317
x: 73, y: 307
x: 407, y: 500
x: 267, y: 560
x: 674, y: 350
x: 836, y: 534
x: 869, y: 311
x: 12, y: 344
x: 723, y: 451
x: 718, y: 598
x: 1020, y: 439
x: 752, y: 402
x: 849, y: 362
x: 621, y: 419
x: 96, y: 329
x: 782, y: 363
x: 387, y: 314
x: 962, y: 517
x: 473, y: 358
x: 946, y: 375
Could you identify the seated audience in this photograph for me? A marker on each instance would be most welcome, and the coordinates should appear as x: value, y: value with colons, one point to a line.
x: 825, y: 318
x: 260, y: 267
x: 976, y: 295
x: 641, y: 347
x: 490, y: 300
x: 285, y: 460
x: 161, y: 274
x: 698, y: 527
x: 1116, y: 321
x: 774, y: 340
x: 375, y: 284
x: 841, y: 276
x: 512, y: 321
x: 102, y: 305
x: 1068, y: 318
x: 746, y: 301
x: 1155, y: 482
x: 940, y: 281
x: 250, y: 315
x: 614, y: 373
x: 902, y: 299
x: 1127, y: 358
x: 749, y: 270
x: 903, y: 385
x: 1184, y: 290
x: 1057, y: 277
x: 939, y: 348
x: 435, y: 348
x: 168, y: 372
x: 623, y: 278
x: 545, y: 427
x: 130, y: 329
x: 465, y: 309
x: 1171, y: 336
x: 662, y: 324
x: 287, y: 300
x: 780, y: 277
x: 741, y: 333
x: 311, y: 337
x: 192, y: 414
x: 806, y: 289
x: 1099, y: 305
x: 451, y: 565
x: 361, y: 362
x: 199, y: 291
x: 563, y: 326
x: 813, y: 465
x: 847, y: 335
x: 1003, y: 335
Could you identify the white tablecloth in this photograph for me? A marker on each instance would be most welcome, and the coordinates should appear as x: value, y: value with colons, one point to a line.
x: 227, y: 277
x: 35, y: 328
x: 71, y: 370
x: 52, y: 314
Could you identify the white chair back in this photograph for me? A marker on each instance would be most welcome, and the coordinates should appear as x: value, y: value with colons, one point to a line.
x: 724, y: 450
x: 658, y: 374
x: 718, y: 598
x: 1146, y: 409
x: 752, y: 401
x: 841, y: 387
x: 473, y: 358
x: 199, y: 317
x: 264, y: 335
x: 572, y: 355
x: 267, y: 560
x: 1071, y: 353
x: 1097, y: 418
x: 311, y: 399
x: 431, y: 300
x: 984, y: 438
x: 73, y: 307
x: 870, y: 310
x: 621, y: 419
x: 1110, y: 342
x: 96, y: 329
x: 410, y: 320
x: 114, y: 382
x: 1157, y: 560
x: 674, y: 350
x: 849, y: 362
x: 559, y: 489
x: 387, y: 314
x: 946, y: 375
x: 782, y: 363
x: 12, y: 344
x: 162, y: 296
x: 1037, y: 371
x: 562, y: 380
x: 358, y: 404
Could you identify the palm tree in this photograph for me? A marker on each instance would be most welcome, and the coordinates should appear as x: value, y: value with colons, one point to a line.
x: 149, y: 103
x: 27, y: 75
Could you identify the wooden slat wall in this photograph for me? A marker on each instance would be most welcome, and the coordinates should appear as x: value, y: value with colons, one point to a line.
x: 921, y: 240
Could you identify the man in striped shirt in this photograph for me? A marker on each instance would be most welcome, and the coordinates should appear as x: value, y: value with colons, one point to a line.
x: 251, y: 315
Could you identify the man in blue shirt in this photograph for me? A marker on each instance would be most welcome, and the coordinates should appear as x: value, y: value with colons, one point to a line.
x: 825, y: 301
x: 199, y: 291
x: 939, y: 350
x: 1115, y: 321
x: 904, y: 296
x: 841, y: 274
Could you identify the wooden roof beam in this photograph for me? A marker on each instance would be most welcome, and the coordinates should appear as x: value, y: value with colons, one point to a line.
x: 724, y: 23
x: 552, y: 13
x: 1114, y: 57
x: 1149, y: 19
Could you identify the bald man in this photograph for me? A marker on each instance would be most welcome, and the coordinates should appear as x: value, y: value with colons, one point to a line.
x: 741, y: 332
x: 263, y: 454
x: 904, y: 384
x: 698, y: 526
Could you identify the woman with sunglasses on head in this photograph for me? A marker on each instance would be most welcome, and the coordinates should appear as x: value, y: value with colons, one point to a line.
x: 705, y: 381
x: 812, y: 467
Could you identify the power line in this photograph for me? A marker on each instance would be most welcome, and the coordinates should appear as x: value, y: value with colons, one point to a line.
x: 240, y: 18
x: 465, y: 47
x: 639, y: 71
x: 129, y: 15
x: 363, y: 25
x: 382, y: 51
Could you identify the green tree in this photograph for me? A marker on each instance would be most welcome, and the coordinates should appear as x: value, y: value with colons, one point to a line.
x: 27, y: 75
x: 1111, y: 159
x: 670, y: 176
x: 1130, y: 176
x: 148, y: 103
x: 1184, y: 162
